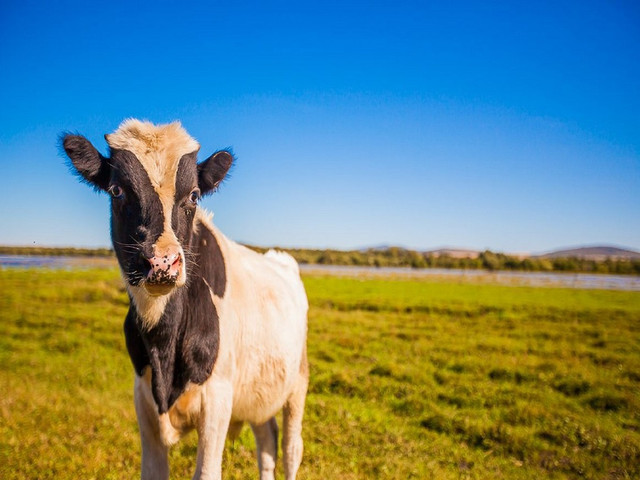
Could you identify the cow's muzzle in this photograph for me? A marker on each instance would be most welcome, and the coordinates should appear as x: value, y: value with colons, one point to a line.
x: 165, y: 270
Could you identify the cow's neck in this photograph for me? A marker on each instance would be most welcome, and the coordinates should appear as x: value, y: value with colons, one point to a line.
x: 150, y: 309
x: 182, y: 344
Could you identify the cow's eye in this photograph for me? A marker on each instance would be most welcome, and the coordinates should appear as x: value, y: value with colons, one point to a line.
x: 194, y: 196
x: 116, y: 191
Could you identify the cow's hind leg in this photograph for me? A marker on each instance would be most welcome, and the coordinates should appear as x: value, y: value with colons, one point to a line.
x: 292, y: 424
x: 235, y: 428
x: 267, y: 446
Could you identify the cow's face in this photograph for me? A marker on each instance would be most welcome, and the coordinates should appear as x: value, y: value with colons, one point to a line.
x: 155, y: 184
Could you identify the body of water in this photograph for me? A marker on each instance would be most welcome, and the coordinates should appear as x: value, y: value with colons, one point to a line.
x: 46, y: 261
x: 534, y: 279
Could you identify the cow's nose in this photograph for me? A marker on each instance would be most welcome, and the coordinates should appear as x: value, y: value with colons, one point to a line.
x: 164, y: 267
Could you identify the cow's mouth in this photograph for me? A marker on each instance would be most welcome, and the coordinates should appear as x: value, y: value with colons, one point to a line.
x: 158, y: 289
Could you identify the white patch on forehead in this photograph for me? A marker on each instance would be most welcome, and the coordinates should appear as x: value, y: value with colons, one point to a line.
x: 158, y: 147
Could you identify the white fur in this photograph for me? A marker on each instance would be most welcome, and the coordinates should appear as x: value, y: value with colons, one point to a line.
x: 158, y: 147
x: 149, y: 308
x: 261, y: 368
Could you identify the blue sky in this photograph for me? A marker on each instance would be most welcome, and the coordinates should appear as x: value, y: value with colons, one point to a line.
x: 513, y: 126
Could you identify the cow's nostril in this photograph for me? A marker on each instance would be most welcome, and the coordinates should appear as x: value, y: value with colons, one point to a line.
x: 147, y: 262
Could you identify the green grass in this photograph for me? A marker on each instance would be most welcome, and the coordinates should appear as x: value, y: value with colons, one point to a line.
x: 409, y: 379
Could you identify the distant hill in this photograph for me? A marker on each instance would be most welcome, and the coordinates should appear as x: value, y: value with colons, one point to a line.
x: 597, y: 253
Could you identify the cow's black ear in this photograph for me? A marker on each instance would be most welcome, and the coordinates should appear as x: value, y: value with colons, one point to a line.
x: 87, y: 161
x: 213, y: 170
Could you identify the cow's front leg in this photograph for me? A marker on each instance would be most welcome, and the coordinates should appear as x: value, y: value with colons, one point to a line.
x: 155, y: 461
x: 215, y: 414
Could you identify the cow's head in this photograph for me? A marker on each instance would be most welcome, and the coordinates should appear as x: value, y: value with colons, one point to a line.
x: 155, y: 183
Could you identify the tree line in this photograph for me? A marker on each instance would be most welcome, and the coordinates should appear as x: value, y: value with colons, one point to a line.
x: 487, y: 260
x: 398, y: 257
x: 57, y: 251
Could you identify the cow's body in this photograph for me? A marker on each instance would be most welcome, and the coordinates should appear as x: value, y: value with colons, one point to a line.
x: 215, y: 331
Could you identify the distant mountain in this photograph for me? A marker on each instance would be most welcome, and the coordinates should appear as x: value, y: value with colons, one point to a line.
x: 597, y: 253
x: 378, y: 248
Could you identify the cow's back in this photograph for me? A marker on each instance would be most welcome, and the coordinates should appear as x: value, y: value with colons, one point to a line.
x: 263, y: 327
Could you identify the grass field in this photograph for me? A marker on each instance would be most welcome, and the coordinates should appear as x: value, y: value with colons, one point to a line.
x: 409, y: 379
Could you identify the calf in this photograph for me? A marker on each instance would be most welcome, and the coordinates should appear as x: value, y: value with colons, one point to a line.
x: 216, y: 332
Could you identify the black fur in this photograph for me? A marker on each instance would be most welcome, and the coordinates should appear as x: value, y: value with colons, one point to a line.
x: 136, y: 218
x: 213, y: 170
x: 183, y: 208
x: 135, y: 343
x: 89, y: 164
x: 212, y: 262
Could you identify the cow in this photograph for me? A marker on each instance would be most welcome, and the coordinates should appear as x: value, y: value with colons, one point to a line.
x: 216, y: 332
